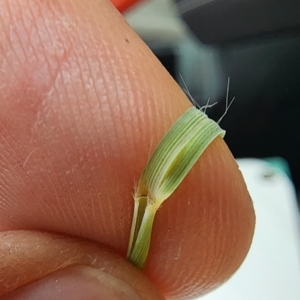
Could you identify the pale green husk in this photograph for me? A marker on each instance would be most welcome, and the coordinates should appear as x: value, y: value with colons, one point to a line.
x: 171, y: 161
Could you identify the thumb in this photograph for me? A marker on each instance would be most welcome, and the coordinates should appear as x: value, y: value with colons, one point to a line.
x: 84, y: 270
x: 76, y: 283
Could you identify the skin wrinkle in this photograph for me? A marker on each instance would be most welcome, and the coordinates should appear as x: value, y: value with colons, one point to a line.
x: 221, y: 222
x: 220, y: 219
x: 6, y: 34
x: 54, y: 179
x: 92, y: 207
x: 53, y: 66
x: 71, y: 207
x: 39, y: 35
x: 59, y: 176
x: 11, y: 174
x: 79, y: 116
x: 39, y: 205
x: 38, y: 114
x: 136, y: 110
x: 184, y: 229
x: 145, y: 116
x: 44, y: 179
x: 83, y: 153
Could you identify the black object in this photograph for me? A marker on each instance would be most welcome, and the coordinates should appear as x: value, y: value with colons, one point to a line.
x: 219, y: 21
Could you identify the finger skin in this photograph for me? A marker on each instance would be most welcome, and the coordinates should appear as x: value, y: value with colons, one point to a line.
x: 28, y: 256
x: 83, y: 103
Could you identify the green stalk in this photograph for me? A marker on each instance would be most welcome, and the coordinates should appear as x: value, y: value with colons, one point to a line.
x: 171, y: 161
x: 140, y: 250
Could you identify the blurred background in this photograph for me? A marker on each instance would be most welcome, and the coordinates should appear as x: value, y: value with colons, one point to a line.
x: 254, y: 42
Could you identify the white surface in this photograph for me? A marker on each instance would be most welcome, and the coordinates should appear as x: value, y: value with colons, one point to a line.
x: 271, y: 270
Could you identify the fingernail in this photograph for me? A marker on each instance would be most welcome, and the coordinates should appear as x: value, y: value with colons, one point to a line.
x: 77, y: 283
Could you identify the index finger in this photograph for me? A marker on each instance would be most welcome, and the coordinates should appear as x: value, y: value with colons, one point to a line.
x: 83, y: 103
